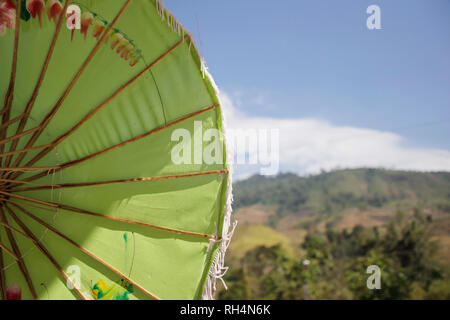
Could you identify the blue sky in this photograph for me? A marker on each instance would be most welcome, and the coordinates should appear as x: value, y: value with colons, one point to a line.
x: 316, y: 59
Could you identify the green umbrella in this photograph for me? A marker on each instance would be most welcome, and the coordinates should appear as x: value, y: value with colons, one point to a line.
x: 114, y: 181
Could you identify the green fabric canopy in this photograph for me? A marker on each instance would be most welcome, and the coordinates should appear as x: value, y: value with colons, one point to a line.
x: 88, y: 187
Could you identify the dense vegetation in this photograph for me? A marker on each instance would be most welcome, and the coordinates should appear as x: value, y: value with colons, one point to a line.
x: 337, y: 269
x: 407, y: 245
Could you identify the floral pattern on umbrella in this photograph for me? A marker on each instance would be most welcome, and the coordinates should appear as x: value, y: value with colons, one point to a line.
x: 36, y: 9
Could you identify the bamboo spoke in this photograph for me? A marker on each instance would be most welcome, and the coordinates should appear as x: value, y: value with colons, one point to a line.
x: 2, y: 276
x: 14, y: 229
x: 15, y: 247
x: 30, y: 104
x: 117, y: 219
x: 12, y: 121
x: 4, y: 181
x: 9, y: 97
x: 17, y: 136
x: 45, y: 252
x: 75, y: 162
x: 55, y: 109
x: 8, y: 174
x: 50, y: 204
x: 5, y: 248
x: 34, y: 206
x: 87, y: 252
x: 10, y: 93
x: 25, y: 169
x: 100, y: 183
x: 23, y: 150
x: 61, y: 138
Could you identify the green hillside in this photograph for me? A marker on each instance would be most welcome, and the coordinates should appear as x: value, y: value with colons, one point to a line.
x: 336, y: 191
x: 341, y: 221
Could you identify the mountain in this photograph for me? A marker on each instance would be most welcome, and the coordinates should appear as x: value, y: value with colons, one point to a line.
x: 335, y: 191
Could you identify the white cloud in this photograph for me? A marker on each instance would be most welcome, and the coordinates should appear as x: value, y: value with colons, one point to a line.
x: 308, y: 145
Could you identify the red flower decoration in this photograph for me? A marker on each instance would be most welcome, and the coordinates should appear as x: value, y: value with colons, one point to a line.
x: 122, y: 44
x: 54, y: 9
x: 13, y: 293
x: 126, y: 52
x: 36, y: 8
x: 7, y: 15
x: 116, y: 38
x: 134, y: 59
x: 98, y: 28
x: 86, y: 20
x: 9, y: 4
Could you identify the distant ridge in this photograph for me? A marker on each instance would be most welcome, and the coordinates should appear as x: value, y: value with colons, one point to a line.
x: 332, y: 192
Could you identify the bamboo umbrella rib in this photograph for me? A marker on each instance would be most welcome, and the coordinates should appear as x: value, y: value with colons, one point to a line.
x: 22, y: 266
x: 55, y: 109
x: 10, y: 93
x: 1, y: 257
x: 117, y: 219
x: 22, y: 169
x: 12, y: 121
x: 61, y: 138
x: 17, y: 136
x: 30, y: 104
x: 5, y: 248
x: 6, y: 122
x: 87, y: 252
x: 33, y: 206
x: 45, y: 252
x: 24, y: 150
x: 9, y: 174
x: 100, y: 183
x: 2, y: 276
x: 144, y: 135
x: 50, y: 204
x: 14, y: 229
x: 9, y: 181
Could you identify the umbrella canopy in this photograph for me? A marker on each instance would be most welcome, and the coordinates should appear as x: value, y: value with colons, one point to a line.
x: 114, y: 180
